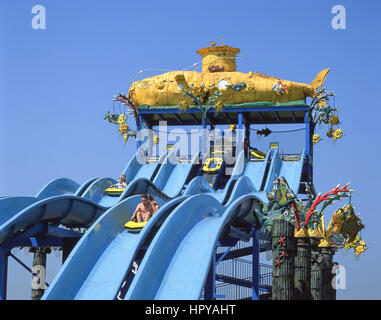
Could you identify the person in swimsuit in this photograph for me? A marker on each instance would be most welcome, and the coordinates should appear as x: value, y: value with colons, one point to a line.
x: 144, y: 210
x: 122, y: 183
x: 154, y: 203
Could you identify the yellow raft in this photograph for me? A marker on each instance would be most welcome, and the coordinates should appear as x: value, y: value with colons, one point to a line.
x: 114, y: 191
x: 133, y: 226
x: 212, y: 165
x: 258, y: 154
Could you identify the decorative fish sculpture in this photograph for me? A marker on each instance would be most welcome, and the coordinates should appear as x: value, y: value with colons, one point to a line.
x: 167, y: 89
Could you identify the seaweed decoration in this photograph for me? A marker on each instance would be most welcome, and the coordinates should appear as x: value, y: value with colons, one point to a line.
x: 323, y: 113
x: 121, y: 119
x: 205, y: 98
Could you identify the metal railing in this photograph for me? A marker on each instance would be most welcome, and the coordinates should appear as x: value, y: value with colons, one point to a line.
x: 241, y: 268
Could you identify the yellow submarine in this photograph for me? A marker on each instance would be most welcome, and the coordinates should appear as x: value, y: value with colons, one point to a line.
x: 219, y: 73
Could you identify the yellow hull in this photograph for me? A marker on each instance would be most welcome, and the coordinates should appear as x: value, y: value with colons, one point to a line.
x: 166, y: 89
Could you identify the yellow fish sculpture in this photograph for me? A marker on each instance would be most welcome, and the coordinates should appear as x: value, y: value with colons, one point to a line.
x: 218, y: 73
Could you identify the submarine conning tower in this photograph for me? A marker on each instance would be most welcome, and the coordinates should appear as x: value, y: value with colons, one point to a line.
x: 218, y: 58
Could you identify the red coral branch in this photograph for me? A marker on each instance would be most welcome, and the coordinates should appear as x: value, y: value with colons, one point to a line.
x: 128, y: 102
x: 294, y: 206
x: 326, y: 196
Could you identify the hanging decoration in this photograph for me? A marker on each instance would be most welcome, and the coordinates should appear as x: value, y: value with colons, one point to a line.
x: 121, y: 119
x: 316, y: 138
x: 205, y: 97
x: 323, y: 113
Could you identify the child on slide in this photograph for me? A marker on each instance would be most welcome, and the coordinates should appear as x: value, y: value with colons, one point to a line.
x: 122, y: 183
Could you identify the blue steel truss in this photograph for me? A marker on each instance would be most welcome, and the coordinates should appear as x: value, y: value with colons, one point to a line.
x: 39, y: 235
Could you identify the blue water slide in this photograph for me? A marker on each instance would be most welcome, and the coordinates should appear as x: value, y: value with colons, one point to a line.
x: 177, y: 262
x: 141, y: 167
x: 138, y: 168
x: 199, y: 184
x: 68, y: 210
x: 254, y: 170
x: 78, y: 209
x: 173, y: 174
x: 10, y: 206
x: 63, y: 186
x: 291, y: 170
x: 97, y: 265
x: 180, y: 238
x: 273, y: 172
x: 119, y: 246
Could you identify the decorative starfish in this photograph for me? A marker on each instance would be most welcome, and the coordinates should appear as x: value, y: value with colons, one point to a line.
x: 282, y: 240
x: 278, y: 262
x: 283, y: 254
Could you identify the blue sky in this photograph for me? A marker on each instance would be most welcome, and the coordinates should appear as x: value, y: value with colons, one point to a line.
x: 57, y: 84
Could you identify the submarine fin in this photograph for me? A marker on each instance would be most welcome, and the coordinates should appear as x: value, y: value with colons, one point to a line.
x: 320, y: 78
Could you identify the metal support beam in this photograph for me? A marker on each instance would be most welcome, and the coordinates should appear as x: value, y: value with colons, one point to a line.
x: 277, y: 116
x: 194, y: 118
x: 138, y: 137
x: 25, y: 266
x: 24, y: 236
x: 235, y: 281
x: 309, y: 145
x: 178, y: 120
x: 234, y: 254
x: 243, y: 252
x: 39, y: 242
x: 67, y: 246
x: 239, y: 145
x: 293, y: 116
x: 255, y: 264
x: 62, y: 233
x: 40, y: 235
x: 227, y: 118
x: 221, y: 256
x: 3, y: 274
x: 160, y: 117
x: 210, y: 283
x: 241, y: 282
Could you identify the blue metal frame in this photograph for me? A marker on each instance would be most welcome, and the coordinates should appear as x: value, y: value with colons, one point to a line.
x: 40, y: 235
x: 210, y: 283
x: 309, y: 145
x: 255, y: 270
x: 309, y: 125
x: 210, y: 286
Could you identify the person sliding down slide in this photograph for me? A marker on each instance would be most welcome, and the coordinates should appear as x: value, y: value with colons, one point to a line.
x: 122, y: 183
x: 144, y: 210
x: 154, y: 203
